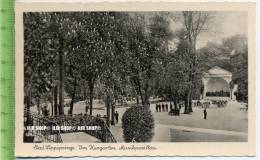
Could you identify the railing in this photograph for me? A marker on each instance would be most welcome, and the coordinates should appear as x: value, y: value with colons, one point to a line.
x: 102, y: 132
x: 108, y: 136
x: 43, y: 132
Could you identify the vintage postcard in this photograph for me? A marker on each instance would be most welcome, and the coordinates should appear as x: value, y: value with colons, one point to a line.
x: 134, y: 79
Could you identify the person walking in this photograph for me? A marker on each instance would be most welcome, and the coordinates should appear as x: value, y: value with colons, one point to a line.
x: 156, y: 107
x: 116, y: 116
x: 205, y: 113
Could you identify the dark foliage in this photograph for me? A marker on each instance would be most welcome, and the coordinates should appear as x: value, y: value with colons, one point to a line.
x: 218, y: 94
x: 138, y: 124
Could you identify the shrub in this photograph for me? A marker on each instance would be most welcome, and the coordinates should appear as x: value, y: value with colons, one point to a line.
x: 138, y: 123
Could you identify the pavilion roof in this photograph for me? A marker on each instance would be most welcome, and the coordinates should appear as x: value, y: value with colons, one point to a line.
x: 216, y: 70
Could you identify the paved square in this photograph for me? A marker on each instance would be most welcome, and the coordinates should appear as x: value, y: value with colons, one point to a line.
x: 226, y: 124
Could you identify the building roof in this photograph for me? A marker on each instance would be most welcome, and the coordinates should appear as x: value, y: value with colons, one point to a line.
x: 218, y: 71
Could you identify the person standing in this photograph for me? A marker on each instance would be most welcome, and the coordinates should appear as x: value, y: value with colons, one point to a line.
x: 156, y: 107
x: 179, y: 106
x: 166, y: 107
x: 116, y: 116
x: 163, y: 107
x: 159, y: 107
x: 45, y: 111
x: 205, y: 113
x: 86, y: 108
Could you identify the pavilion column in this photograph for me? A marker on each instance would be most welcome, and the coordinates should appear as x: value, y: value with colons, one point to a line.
x: 228, y: 79
x: 205, y: 81
x: 204, y: 91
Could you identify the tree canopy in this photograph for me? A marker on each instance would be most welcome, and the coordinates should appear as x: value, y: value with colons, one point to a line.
x: 115, y: 54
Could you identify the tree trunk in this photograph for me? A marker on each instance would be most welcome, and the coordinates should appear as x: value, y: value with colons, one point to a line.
x: 73, y: 96
x: 140, y: 91
x: 112, y: 114
x: 52, y: 107
x: 38, y: 106
x: 175, y: 103
x: 190, y: 102
x: 55, y: 100
x: 84, y: 92
x: 191, y: 87
x: 193, y: 72
x: 28, y: 106
x: 86, y: 99
x: 91, y: 96
x: 108, y: 109
x: 186, y: 109
x: 146, y: 102
x: 146, y: 96
x: 137, y: 100
x: 61, y: 79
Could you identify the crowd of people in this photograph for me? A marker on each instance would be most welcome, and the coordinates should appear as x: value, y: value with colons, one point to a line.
x: 163, y: 107
x: 166, y: 107
x: 220, y: 103
x: 208, y: 104
x: 218, y: 94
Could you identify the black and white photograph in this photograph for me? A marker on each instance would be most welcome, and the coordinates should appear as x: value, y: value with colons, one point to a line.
x: 135, y: 76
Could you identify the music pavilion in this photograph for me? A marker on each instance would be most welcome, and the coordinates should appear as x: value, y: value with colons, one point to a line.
x: 216, y: 83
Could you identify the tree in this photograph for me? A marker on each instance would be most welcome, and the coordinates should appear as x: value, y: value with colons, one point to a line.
x: 194, y: 23
x: 72, y: 69
x: 47, y: 36
x: 62, y: 31
x: 236, y: 47
x: 114, y: 77
x: 175, y: 82
x: 38, y: 50
x: 138, y: 124
x: 147, y: 45
x: 91, y: 47
x: 232, y: 55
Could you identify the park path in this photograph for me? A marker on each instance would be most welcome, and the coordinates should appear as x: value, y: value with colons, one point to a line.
x: 205, y: 130
x: 219, y: 127
x: 162, y: 133
x: 170, y: 129
x: 117, y: 132
x: 78, y: 137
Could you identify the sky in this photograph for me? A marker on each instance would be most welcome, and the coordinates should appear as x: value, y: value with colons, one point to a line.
x: 225, y: 24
